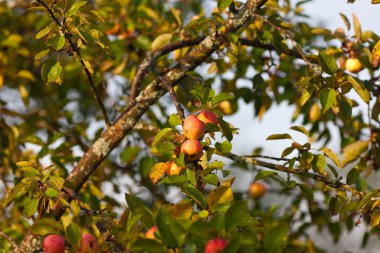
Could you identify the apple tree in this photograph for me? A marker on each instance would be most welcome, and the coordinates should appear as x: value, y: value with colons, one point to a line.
x: 116, y: 136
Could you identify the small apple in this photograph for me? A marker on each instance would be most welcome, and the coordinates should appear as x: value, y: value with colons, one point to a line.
x: 192, y: 149
x: 208, y: 117
x: 226, y: 107
x: 257, y: 190
x: 193, y: 128
x: 216, y: 245
x: 88, y: 244
x: 54, y: 244
x: 173, y: 169
x: 353, y: 65
x: 150, y: 233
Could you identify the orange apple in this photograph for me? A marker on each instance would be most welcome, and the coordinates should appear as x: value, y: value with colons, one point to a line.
x: 193, y: 128
x: 192, y: 149
x: 150, y: 233
x: 54, y: 244
x: 353, y: 65
x: 173, y: 169
x: 208, y: 117
x: 88, y: 244
x: 216, y: 245
x: 257, y: 190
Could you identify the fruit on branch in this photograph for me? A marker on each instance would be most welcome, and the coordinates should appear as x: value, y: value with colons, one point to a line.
x: 88, y: 244
x: 54, y: 244
x: 173, y: 169
x: 226, y: 107
x: 216, y: 245
x: 150, y: 233
x: 192, y: 149
x: 257, y: 190
x: 208, y: 117
x: 193, y: 128
x: 353, y: 65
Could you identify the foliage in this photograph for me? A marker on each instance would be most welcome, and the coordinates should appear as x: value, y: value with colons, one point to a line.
x: 82, y: 110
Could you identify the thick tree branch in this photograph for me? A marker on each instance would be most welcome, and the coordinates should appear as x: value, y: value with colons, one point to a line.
x: 81, y: 60
x: 334, y: 184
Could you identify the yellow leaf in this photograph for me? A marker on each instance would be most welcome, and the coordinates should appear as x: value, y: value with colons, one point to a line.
x: 353, y: 151
x: 161, y: 41
x: 376, y: 51
x: 220, y: 195
x: 157, y: 171
x: 182, y: 210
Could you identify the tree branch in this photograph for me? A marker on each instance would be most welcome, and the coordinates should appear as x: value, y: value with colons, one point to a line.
x: 81, y: 60
x: 334, y: 184
x: 9, y: 239
x: 169, y: 88
x: 153, y: 56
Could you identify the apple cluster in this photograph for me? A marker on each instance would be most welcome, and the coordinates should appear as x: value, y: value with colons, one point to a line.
x: 56, y: 244
x: 194, y: 127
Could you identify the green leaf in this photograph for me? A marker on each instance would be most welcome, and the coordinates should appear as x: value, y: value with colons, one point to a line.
x: 164, y: 134
x: 352, y: 176
x: 306, y: 95
x: 235, y: 213
x: 278, y: 137
x: 174, y: 120
x: 52, y: 193
x: 223, y: 4
x: 41, y: 54
x: 274, y: 237
x: 307, y: 191
x: 211, y: 179
x: 225, y: 146
x: 75, y: 8
x: 264, y: 174
x: 174, y: 179
x: 148, y: 245
x: 353, y: 151
x: 328, y: 63
x: 129, y: 154
x: 195, y: 194
x: 221, y: 97
x: 73, y: 234
x: 226, y: 129
x: 287, y: 151
x: 54, y: 75
x: 319, y: 163
x: 327, y: 97
x: 58, y: 42
x: 332, y: 155
x: 359, y: 88
x: 300, y: 129
x: 43, y: 32
x: 171, y: 232
x: 31, y: 206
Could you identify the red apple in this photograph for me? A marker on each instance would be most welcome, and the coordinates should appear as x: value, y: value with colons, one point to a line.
x: 208, y: 117
x: 193, y: 128
x: 192, y: 149
x: 150, y: 233
x: 173, y: 169
x: 257, y: 190
x: 88, y: 244
x: 54, y: 244
x: 216, y: 245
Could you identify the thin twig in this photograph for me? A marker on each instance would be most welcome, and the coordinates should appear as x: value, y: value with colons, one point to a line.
x: 178, y: 106
x: 268, y: 157
x: 81, y: 60
x: 290, y: 37
x: 334, y: 184
x: 9, y: 239
x: 151, y: 57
